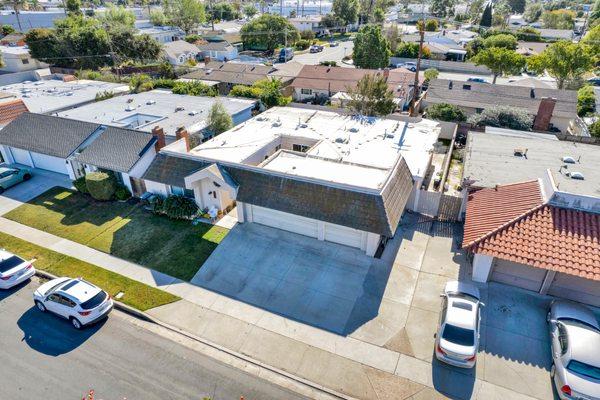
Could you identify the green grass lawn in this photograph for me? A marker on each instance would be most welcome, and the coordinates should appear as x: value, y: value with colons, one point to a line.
x: 174, y: 247
x: 136, y: 294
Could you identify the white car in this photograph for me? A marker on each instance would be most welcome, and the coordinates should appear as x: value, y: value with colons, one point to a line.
x: 13, y: 270
x: 575, y: 344
x: 79, y: 301
x: 457, y: 338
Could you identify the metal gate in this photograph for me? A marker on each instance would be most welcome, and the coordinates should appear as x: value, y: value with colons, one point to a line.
x: 449, y: 209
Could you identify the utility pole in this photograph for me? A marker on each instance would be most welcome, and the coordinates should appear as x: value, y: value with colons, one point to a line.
x: 113, y: 56
x: 281, y: 8
x: 416, y: 88
x: 212, y: 15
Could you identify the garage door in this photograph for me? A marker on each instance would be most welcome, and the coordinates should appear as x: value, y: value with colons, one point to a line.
x: 519, y: 275
x: 343, y: 235
x: 285, y: 221
x: 576, y: 288
x: 21, y: 156
x: 49, y: 163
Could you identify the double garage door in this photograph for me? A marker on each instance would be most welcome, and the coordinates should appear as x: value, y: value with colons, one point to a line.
x: 563, y: 285
x: 307, y: 226
x: 37, y: 160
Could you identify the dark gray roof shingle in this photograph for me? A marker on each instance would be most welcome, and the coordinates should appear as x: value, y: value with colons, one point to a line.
x: 172, y: 170
x: 46, y: 134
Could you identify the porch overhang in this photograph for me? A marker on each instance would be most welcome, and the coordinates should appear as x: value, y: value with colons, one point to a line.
x: 215, y: 173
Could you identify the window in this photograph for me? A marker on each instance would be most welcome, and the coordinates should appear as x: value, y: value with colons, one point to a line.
x: 563, y: 340
x: 458, y: 335
x: 306, y: 91
x: 179, y: 191
x: 94, y: 301
x: 584, y: 369
x: 479, y: 110
x: 25, y: 60
x: 467, y: 87
x: 300, y: 147
x: 10, y: 263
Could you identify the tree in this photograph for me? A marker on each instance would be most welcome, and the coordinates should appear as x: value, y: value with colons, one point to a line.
x: 475, y: 10
x: 431, y: 25
x: 529, y: 34
x: 118, y: 15
x: 73, y: 7
x: 379, y: 15
x: 592, y: 41
x: 158, y: 18
x: 17, y: 6
x: 558, y: 19
x: 563, y: 60
x: 371, y: 48
x: 250, y: 11
x: 486, y: 16
x: 502, y: 40
x: 445, y: 112
x: 474, y: 47
x: 517, y: 6
x: 186, y: 14
x: 371, y: 97
x: 430, y: 74
x: 442, y: 8
x: 6, y: 30
x: 411, y: 50
x: 595, y: 129
x: 503, y: 117
x: 346, y: 11
x: 268, y: 91
x: 223, y: 12
x: 219, y: 119
x: 500, y: 61
x: 331, y: 21
x: 586, y: 101
x: 393, y: 37
x: 533, y: 12
x: 268, y: 31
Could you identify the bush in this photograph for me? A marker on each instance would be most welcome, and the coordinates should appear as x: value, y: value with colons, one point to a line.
x: 430, y: 74
x: 595, y: 129
x: 503, y: 117
x: 307, y: 35
x: 329, y: 63
x: 164, y: 83
x: 431, y: 25
x: 245, y: 91
x: 105, y: 95
x: 411, y: 50
x: 122, y: 193
x: 302, y: 44
x: 140, y: 83
x: 179, y: 207
x: 529, y: 34
x: 80, y: 185
x: 586, y: 101
x: 101, y: 185
x: 446, y: 112
x: 502, y: 40
x: 194, y: 88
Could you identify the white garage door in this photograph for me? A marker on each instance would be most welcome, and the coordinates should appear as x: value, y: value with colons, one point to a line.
x: 285, y: 221
x: 575, y: 288
x: 21, y: 156
x: 49, y: 163
x: 343, y: 235
x: 519, y: 275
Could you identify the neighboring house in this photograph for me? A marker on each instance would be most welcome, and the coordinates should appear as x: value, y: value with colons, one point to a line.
x: 13, y: 40
x: 180, y: 52
x: 144, y: 111
x: 11, y: 109
x: 415, y: 12
x: 18, y: 59
x: 448, y: 51
x: 322, y: 82
x: 310, y: 23
x: 307, y: 7
x: 31, y: 19
x: 219, y: 51
x: 531, y: 48
x: 552, y: 108
x: 557, y: 34
x: 445, y: 45
x: 516, y: 21
x: 533, y: 82
x: 162, y: 34
x: 322, y: 174
x: 74, y: 148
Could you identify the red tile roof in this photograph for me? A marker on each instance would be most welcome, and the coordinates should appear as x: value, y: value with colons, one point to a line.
x: 548, y: 237
x: 10, y: 110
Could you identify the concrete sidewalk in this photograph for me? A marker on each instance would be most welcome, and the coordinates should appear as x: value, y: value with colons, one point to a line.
x: 345, y: 364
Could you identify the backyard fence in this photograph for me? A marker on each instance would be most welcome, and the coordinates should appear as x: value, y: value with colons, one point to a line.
x: 442, y: 206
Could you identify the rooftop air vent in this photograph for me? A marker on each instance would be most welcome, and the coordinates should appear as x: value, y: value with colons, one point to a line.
x: 532, y: 93
x: 339, y: 140
x: 192, y: 113
x: 179, y: 108
x: 576, y: 175
x: 353, y: 129
x: 130, y: 108
x: 519, y: 152
x: 466, y: 87
x: 303, y: 126
x: 150, y: 102
x: 450, y: 85
x: 277, y: 123
x: 568, y: 160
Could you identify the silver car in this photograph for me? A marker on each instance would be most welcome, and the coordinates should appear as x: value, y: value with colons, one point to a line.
x: 575, y: 343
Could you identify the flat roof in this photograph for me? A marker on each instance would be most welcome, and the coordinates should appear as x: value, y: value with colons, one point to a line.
x: 143, y: 111
x: 490, y: 160
x: 54, y: 95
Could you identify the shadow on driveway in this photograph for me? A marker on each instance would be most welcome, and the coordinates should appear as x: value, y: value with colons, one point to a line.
x: 456, y: 383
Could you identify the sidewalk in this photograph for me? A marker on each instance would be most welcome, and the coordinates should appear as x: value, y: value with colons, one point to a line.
x: 344, y: 364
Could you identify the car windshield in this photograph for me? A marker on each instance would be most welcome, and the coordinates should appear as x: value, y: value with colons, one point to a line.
x: 10, y: 263
x: 575, y: 321
x: 94, y: 301
x: 584, y: 369
x: 52, y: 288
x: 458, y: 335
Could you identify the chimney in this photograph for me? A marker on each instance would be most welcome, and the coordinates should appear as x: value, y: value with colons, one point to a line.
x: 159, y: 134
x: 544, y: 114
x: 182, y: 133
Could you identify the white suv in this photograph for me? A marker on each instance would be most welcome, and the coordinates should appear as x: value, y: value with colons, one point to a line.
x: 81, y: 302
x: 13, y: 270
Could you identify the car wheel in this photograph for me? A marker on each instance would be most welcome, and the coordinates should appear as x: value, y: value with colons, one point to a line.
x: 76, y: 324
x: 26, y: 177
x: 40, y: 306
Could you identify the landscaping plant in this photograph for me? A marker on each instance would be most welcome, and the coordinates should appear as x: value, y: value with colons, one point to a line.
x: 122, y: 193
x: 81, y: 185
x: 101, y: 185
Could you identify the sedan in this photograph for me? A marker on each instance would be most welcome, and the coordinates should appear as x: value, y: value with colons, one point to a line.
x: 457, y: 338
x: 575, y: 344
x: 594, y: 81
x: 315, y: 48
x: 10, y: 176
x: 334, y: 44
x: 76, y: 300
x: 13, y: 270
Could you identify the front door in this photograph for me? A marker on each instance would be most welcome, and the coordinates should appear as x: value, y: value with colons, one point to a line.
x: 138, y: 186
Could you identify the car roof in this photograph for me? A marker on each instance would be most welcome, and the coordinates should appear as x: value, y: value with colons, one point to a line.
x: 581, y: 340
x: 79, y: 289
x: 3, y: 253
x: 461, y: 312
x: 461, y: 287
x: 567, y: 309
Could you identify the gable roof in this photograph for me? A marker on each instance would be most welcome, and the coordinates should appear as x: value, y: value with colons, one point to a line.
x: 10, y: 110
x: 485, y: 95
x: 178, y: 47
x: 46, y: 134
x: 172, y: 170
x: 116, y: 149
x: 228, y: 72
x: 545, y: 236
x: 215, y: 46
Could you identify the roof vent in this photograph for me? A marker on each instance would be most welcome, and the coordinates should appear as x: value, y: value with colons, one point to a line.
x: 339, y: 140
x: 303, y: 126
x: 532, y: 93
x: 450, y: 85
x: 192, y: 113
x: 150, y: 102
x: 519, y: 152
x: 277, y: 123
x: 130, y: 108
x: 576, y: 175
x: 466, y: 87
x: 568, y: 160
x: 179, y: 108
x: 353, y: 129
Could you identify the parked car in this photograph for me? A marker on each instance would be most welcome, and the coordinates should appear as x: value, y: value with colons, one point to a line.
x: 411, y: 66
x: 77, y: 300
x: 457, y: 337
x: 477, y: 80
x: 10, y: 176
x: 286, y: 54
x: 315, y: 48
x: 594, y: 81
x: 575, y: 344
x: 334, y: 44
x: 13, y: 270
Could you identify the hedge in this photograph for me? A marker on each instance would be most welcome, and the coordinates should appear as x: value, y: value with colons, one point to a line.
x: 101, y: 185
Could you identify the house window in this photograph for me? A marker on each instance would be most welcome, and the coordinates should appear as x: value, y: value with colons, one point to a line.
x: 179, y: 191
x: 25, y: 60
x: 467, y: 87
x: 479, y: 110
x: 300, y: 147
x: 306, y: 91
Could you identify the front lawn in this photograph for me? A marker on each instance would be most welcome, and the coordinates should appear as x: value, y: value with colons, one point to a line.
x: 174, y: 247
x: 136, y: 294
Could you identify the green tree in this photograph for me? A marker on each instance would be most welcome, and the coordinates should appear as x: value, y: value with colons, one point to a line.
x: 586, y: 101
x: 517, y: 6
x: 345, y: 11
x: 118, y: 16
x: 442, y: 8
x: 268, y: 32
x: 379, y: 15
x: 533, y: 12
x: 558, y: 19
x: 158, y: 18
x: 250, y: 11
x: 186, y: 14
x: 371, y: 97
x: 474, y: 47
x: 563, y: 60
x: 223, y: 11
x: 486, y: 16
x: 430, y: 74
x: 219, y: 120
x: 74, y: 7
x: 6, y: 30
x: 268, y: 91
x: 529, y: 34
x: 501, y: 40
x: 431, y: 25
x: 500, y: 61
x: 371, y: 48
x: 595, y: 129
x: 475, y: 10
x: 595, y: 14
x: 411, y: 50
x: 592, y: 41
x: 445, y: 112
x: 503, y: 117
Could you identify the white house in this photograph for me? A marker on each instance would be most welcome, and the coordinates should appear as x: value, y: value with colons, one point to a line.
x: 18, y: 59
x: 179, y: 52
x: 217, y: 51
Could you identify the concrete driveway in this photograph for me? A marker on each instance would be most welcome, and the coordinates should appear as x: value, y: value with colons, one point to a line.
x: 40, y: 182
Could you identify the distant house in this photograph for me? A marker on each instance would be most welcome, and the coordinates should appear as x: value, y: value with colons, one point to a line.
x: 180, y: 52
x: 309, y: 23
x: 217, y: 51
x: 557, y: 34
x: 11, y: 109
x: 552, y: 108
x: 18, y: 59
x: 14, y: 40
x: 162, y: 34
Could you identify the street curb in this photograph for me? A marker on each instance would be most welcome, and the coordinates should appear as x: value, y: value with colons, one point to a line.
x: 148, y: 318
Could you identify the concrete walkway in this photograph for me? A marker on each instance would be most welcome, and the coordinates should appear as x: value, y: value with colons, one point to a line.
x: 346, y: 364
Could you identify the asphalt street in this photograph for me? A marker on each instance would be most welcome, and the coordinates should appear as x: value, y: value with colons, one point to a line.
x: 328, y: 54
x: 43, y: 357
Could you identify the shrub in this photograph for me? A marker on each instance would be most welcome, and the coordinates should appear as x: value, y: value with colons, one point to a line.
x: 140, y: 83
x: 194, y: 88
x: 107, y: 94
x: 302, y: 44
x: 80, y: 185
x: 193, y: 38
x: 101, y: 185
x: 431, y: 25
x: 502, y: 40
x: 245, y: 91
x: 431, y: 73
x: 586, y: 101
x: 179, y: 207
x: 529, y: 34
x: 446, y: 112
x: 122, y: 193
x: 595, y: 129
x: 307, y: 35
x: 164, y: 83
x: 329, y: 63
x: 503, y: 117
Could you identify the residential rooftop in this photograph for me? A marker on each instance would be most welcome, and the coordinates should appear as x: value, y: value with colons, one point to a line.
x: 143, y: 111
x: 56, y: 95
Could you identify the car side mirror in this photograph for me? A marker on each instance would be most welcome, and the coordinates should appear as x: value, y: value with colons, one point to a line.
x: 442, y: 295
x: 481, y: 304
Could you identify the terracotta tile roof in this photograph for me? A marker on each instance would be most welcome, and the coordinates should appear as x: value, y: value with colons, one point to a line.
x: 10, y: 110
x: 548, y: 237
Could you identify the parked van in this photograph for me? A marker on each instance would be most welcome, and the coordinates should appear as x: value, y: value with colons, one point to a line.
x: 286, y: 54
